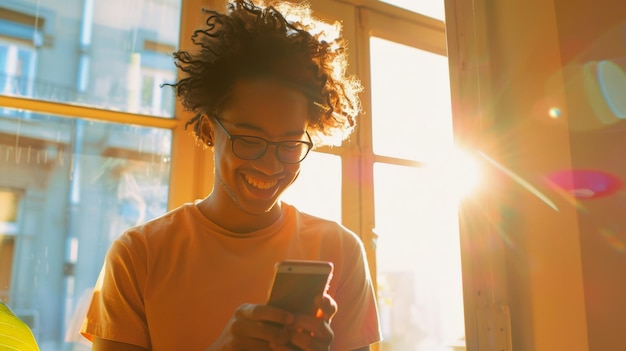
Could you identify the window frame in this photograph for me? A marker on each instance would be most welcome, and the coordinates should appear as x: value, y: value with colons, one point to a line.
x: 191, y: 172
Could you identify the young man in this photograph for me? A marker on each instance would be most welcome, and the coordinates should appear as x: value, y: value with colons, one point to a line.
x: 264, y: 89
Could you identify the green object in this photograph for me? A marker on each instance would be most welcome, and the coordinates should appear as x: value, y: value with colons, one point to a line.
x: 14, y: 333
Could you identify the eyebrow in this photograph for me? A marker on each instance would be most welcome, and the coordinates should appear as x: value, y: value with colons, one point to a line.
x: 295, y: 133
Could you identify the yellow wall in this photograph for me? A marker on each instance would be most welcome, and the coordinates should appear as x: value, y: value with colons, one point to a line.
x: 592, y: 32
x: 553, y: 262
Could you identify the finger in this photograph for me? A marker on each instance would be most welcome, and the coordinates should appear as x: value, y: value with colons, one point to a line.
x: 326, y: 307
x: 272, y: 333
x: 251, y: 344
x: 312, y: 341
x: 265, y: 313
x: 245, y: 327
x: 311, y: 333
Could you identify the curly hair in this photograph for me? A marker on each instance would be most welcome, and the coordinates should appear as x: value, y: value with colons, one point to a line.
x: 251, y: 41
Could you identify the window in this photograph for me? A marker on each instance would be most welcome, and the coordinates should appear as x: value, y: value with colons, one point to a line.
x: 154, y: 99
x: 318, y: 188
x: 9, y: 212
x: 430, y: 8
x: 85, y: 146
x: 415, y: 212
x: 17, y: 67
x: 404, y: 177
x: 90, y: 145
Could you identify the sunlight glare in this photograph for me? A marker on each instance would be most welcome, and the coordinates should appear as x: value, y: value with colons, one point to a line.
x: 520, y: 181
x: 457, y: 172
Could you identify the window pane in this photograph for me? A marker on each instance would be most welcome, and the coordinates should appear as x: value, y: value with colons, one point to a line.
x: 112, y: 54
x: 317, y: 190
x: 411, y: 108
x: 430, y: 8
x: 73, y: 186
x: 418, y: 260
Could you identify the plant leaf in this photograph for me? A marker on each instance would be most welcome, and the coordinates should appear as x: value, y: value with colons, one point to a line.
x: 14, y: 333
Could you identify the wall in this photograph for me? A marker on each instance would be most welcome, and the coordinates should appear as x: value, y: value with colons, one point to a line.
x: 543, y: 280
x: 527, y: 99
x: 592, y: 37
x: 548, y: 251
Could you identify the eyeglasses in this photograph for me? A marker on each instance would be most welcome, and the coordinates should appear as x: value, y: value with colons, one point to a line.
x: 248, y: 147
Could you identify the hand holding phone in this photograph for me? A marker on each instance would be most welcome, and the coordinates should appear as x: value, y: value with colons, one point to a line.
x: 297, y: 283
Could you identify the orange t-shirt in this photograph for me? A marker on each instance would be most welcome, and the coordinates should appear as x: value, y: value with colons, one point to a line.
x: 174, y: 282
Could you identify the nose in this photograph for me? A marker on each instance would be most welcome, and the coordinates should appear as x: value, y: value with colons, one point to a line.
x: 269, y: 163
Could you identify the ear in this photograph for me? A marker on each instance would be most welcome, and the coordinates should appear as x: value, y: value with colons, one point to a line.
x: 205, y: 132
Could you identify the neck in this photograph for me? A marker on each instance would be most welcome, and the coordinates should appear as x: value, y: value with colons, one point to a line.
x: 234, y: 219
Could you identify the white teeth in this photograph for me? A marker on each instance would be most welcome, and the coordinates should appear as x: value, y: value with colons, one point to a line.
x: 257, y: 183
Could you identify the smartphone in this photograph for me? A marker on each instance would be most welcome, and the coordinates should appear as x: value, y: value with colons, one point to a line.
x: 296, y: 283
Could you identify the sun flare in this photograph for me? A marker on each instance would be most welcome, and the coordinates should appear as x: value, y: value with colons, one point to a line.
x: 457, y: 172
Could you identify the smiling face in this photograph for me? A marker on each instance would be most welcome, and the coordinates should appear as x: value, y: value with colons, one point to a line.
x: 249, y: 189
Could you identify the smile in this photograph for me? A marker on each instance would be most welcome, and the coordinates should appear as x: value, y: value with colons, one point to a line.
x: 260, y: 184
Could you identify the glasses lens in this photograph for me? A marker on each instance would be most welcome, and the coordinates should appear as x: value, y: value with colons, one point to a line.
x: 292, y: 151
x: 248, y: 148
x: 252, y: 148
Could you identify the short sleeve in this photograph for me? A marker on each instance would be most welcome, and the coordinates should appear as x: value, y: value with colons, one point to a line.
x: 356, y: 321
x: 117, y: 310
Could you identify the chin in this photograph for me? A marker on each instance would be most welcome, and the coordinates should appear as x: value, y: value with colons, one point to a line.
x: 259, y: 205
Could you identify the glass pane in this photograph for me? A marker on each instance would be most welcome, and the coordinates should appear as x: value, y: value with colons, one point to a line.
x: 68, y: 188
x: 317, y: 190
x: 430, y: 8
x: 418, y: 260
x: 91, y: 52
x: 413, y: 120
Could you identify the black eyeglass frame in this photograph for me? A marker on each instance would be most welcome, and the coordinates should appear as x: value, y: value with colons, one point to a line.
x: 267, y: 143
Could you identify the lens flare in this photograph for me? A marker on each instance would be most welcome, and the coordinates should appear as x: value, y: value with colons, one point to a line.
x: 554, y: 112
x: 585, y: 183
x: 520, y: 181
x: 616, y: 241
x: 612, y: 82
x: 458, y: 172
